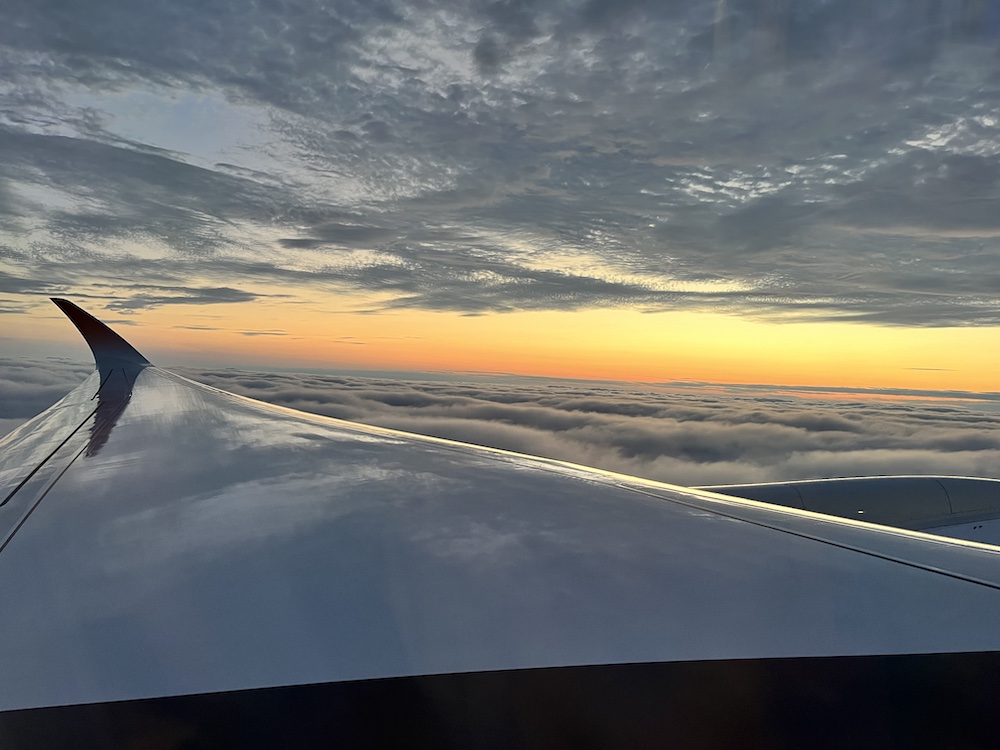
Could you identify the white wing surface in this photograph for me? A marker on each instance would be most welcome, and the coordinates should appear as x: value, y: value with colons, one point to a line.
x: 162, y: 538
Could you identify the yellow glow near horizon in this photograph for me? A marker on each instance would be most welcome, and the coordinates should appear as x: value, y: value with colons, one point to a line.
x: 593, y: 344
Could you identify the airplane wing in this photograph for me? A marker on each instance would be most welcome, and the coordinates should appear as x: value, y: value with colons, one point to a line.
x: 184, y: 567
x: 958, y: 507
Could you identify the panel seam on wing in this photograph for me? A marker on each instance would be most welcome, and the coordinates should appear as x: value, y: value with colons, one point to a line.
x: 830, y: 542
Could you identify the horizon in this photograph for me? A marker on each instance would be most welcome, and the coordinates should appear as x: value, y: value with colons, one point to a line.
x: 871, y: 359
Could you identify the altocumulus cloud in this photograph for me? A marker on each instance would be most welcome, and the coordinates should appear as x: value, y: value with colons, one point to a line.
x: 818, y: 159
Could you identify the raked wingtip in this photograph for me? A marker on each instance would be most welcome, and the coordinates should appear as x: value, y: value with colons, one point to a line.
x: 110, y: 349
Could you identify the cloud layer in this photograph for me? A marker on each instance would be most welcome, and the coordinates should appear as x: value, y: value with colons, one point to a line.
x: 28, y: 387
x: 827, y: 160
x: 683, y: 434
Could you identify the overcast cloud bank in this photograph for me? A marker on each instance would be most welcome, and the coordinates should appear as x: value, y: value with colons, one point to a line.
x: 685, y: 435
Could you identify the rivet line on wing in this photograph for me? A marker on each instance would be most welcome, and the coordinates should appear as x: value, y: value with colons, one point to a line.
x: 46, y: 459
x: 830, y: 542
x: 41, y: 497
x: 101, y: 386
x: 59, y: 476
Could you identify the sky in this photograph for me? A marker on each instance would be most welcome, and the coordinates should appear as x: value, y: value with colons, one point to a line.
x: 736, y: 191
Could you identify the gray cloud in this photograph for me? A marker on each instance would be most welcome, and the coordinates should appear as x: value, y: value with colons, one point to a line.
x: 829, y: 160
x: 178, y: 296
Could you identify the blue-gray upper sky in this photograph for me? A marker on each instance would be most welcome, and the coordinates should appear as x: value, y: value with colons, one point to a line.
x: 836, y: 159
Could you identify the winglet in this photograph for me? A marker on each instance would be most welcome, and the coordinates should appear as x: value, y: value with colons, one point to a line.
x: 110, y: 350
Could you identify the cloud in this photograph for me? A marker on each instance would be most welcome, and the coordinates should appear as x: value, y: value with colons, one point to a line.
x: 179, y: 296
x: 829, y: 161
x: 28, y: 387
x: 680, y: 434
x: 687, y: 434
